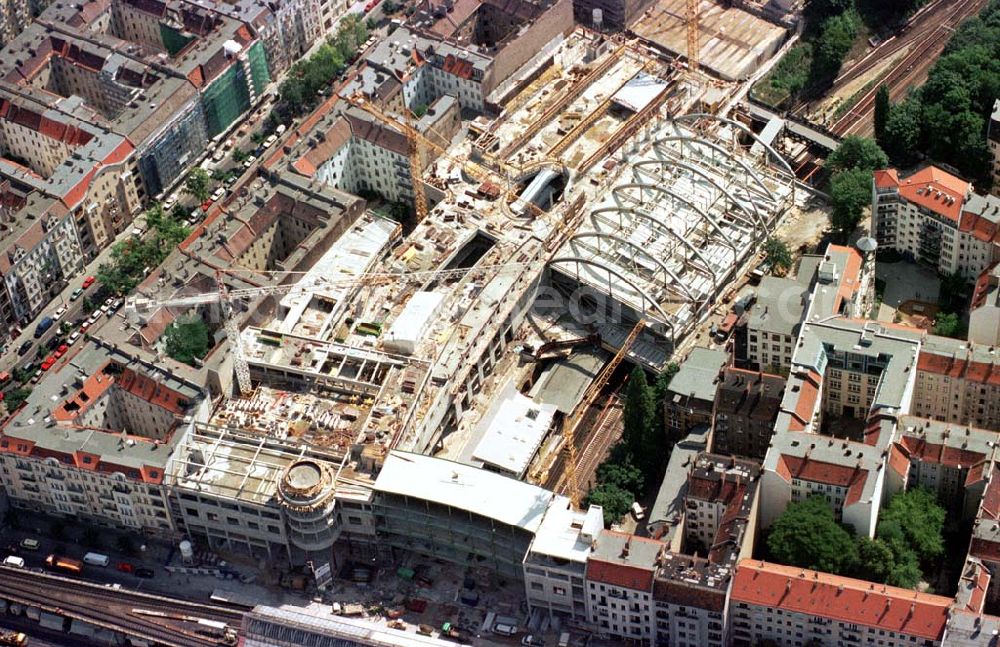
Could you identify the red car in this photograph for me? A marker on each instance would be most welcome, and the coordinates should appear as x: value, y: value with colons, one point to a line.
x: 206, y: 205
x: 89, y: 281
x: 47, y: 364
x: 125, y: 567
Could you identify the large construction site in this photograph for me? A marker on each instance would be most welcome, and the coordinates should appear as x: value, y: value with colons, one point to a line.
x: 594, y: 223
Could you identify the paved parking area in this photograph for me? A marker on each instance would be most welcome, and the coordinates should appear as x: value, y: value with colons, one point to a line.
x: 907, y: 282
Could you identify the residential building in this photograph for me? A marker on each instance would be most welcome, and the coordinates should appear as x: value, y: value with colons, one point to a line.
x: 774, y: 322
x: 114, y: 426
x: 958, y: 382
x: 610, y: 14
x: 934, y: 217
x: 690, y: 398
x: 556, y: 561
x: 717, y: 486
x: 14, y: 15
x: 287, y: 30
x: 620, y: 571
x: 746, y: 407
x: 984, y: 308
x: 993, y: 140
x: 788, y: 605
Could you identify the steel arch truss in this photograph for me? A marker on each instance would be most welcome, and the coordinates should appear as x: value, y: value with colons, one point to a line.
x: 674, y: 196
x: 667, y: 320
x: 677, y: 286
x: 659, y: 226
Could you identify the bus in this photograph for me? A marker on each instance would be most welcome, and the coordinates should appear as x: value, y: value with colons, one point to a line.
x: 66, y: 564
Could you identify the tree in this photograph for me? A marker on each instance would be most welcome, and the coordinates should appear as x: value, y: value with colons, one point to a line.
x: 882, y: 107
x: 857, y: 153
x: 850, y: 193
x: 663, y: 382
x: 916, y: 518
x: 187, y: 340
x: 836, y: 38
x: 901, y: 140
x: 820, y: 9
x: 16, y: 397
x: 807, y: 535
x: 905, y: 571
x: 640, y: 421
x: 624, y: 475
x: 947, y: 324
x: 875, y: 559
x: 198, y: 184
x: 778, y: 254
x: 614, y: 501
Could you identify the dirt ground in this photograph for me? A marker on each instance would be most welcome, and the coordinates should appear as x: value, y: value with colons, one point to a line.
x: 804, y: 227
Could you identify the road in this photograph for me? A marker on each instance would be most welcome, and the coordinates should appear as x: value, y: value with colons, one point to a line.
x: 926, y: 39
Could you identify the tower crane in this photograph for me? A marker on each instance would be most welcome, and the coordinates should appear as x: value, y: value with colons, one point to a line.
x: 478, y: 171
x: 692, y: 12
x: 590, y: 396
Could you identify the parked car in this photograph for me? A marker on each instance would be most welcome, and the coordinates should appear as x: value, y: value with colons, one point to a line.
x: 532, y: 640
x: 30, y: 544
x: 24, y: 348
x: 73, y: 338
x: 144, y: 572
x: 248, y: 162
x: 125, y: 567
x: 77, y: 293
x: 89, y: 281
x: 217, y: 195
x: 60, y: 311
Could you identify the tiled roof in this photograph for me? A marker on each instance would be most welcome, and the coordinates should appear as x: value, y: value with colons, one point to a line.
x: 936, y: 190
x: 818, y: 594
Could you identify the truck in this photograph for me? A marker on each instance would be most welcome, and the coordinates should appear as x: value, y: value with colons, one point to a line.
x: 43, y: 325
x: 65, y: 564
x: 13, y: 639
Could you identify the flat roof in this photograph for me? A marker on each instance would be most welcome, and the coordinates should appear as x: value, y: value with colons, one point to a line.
x: 468, y: 488
x: 698, y: 376
x: 513, y: 429
x: 566, y: 533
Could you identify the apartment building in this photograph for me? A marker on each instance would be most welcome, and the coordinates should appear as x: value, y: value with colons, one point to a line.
x: 958, y: 382
x: 287, y: 30
x: 746, y: 407
x: 785, y: 605
x: 620, y: 571
x: 104, y: 457
x: 556, y: 561
x: 690, y: 398
x: 993, y: 140
x: 934, y: 217
x: 774, y: 320
x: 610, y: 14
x: 984, y: 308
x: 429, y: 67
x: 715, y: 484
x: 14, y: 15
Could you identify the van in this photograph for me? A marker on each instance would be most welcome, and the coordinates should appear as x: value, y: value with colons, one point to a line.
x: 504, y: 629
x: 564, y: 639
x: 43, y: 325
x: 638, y: 512
x: 14, y: 560
x: 96, y: 559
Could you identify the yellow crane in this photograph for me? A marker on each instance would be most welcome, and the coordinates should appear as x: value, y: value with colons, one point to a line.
x: 419, y: 195
x: 691, y: 16
x: 593, y: 391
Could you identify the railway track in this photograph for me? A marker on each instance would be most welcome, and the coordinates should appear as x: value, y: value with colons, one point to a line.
x: 908, y: 71
x: 166, y: 621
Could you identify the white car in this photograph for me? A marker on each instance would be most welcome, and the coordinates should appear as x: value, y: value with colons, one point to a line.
x: 95, y: 317
x: 60, y: 311
x: 73, y: 338
x: 221, y: 191
x: 270, y: 141
x: 280, y: 129
x: 169, y: 202
x: 249, y: 161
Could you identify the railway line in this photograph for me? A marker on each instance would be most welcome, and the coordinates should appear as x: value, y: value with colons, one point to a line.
x: 912, y: 69
x: 155, y: 619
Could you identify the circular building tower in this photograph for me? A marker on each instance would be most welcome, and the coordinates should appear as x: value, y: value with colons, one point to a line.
x: 306, y: 491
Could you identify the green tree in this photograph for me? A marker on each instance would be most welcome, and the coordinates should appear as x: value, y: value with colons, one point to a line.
x: 875, y: 559
x: 16, y: 397
x: 807, y: 535
x: 614, y: 501
x: 836, y: 38
x: 198, y: 184
x: 640, y: 421
x: 905, y: 571
x: 857, y: 153
x: 778, y: 254
x: 186, y: 340
x: 850, y: 193
x: 663, y: 382
x: 947, y: 324
x: 820, y: 9
x: 240, y: 155
x: 901, y: 140
x: 882, y: 107
x: 622, y: 474
x: 916, y: 518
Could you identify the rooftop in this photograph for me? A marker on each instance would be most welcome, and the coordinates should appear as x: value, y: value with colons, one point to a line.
x: 624, y: 560
x: 464, y: 487
x: 698, y: 376
x: 566, y: 533
x: 812, y: 593
x: 512, y: 431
